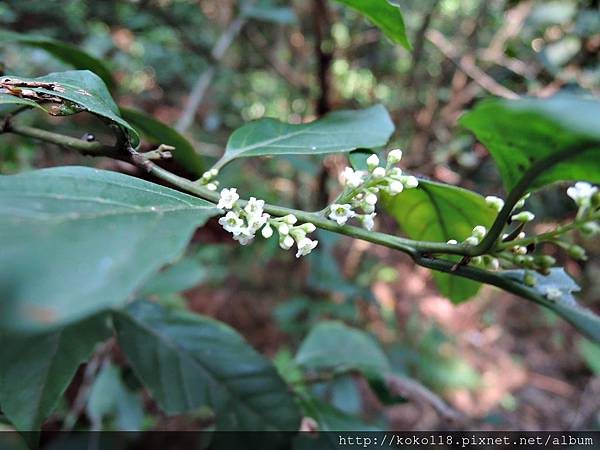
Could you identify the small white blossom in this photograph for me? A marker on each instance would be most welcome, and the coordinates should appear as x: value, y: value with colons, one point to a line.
x: 228, y: 198
x: 394, y: 156
x: 379, y: 172
x: 254, y: 222
x: 232, y: 223
x: 372, y: 162
x: 553, y: 293
x: 341, y: 213
x: 367, y: 220
x: 286, y: 242
x: 353, y: 178
x: 479, y: 231
x: 254, y: 207
x: 524, y: 216
x: 395, y: 187
x: 305, y: 246
x: 495, y: 202
x: 243, y: 238
x: 267, y: 231
x: 582, y: 193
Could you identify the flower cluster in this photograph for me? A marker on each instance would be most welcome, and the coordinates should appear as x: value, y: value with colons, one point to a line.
x: 587, y: 198
x: 362, y: 188
x: 244, y: 223
x: 208, y: 179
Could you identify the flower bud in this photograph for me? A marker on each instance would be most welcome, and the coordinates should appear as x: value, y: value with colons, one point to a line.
x: 495, y: 202
x: 529, y: 279
x: 283, y: 229
x: 577, y: 252
x: 379, y: 172
x: 394, y: 156
x: 267, y: 231
x: 371, y: 199
x: 290, y: 219
x: 372, y: 162
x: 286, y: 242
x: 545, y: 261
x: 308, y: 227
x: 211, y: 186
x: 479, y: 231
x: 452, y: 242
x: 395, y: 187
x: 471, y: 240
x: 524, y: 216
x: 590, y: 229
x: 411, y: 182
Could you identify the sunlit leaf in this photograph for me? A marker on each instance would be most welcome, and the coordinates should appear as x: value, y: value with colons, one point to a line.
x: 520, y: 133
x: 438, y: 212
x: 385, y: 15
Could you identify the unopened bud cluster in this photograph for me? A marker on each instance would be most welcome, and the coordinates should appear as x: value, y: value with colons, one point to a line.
x: 362, y: 189
x: 208, y: 179
x: 244, y: 223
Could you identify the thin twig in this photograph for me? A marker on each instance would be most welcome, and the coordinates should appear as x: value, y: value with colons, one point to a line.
x: 205, y: 78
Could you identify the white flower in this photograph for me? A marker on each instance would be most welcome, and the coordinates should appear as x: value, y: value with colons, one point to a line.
x: 243, y: 238
x: 286, y: 242
x: 394, y: 156
x: 267, y: 231
x: 254, y: 223
x: 553, y: 293
x: 452, y: 242
x: 228, y: 198
x: 524, y: 216
x: 371, y: 199
x: 582, y: 193
x: 495, y: 202
x: 395, y: 187
x: 367, y: 220
x: 341, y: 213
x: 479, y: 231
x: 372, y: 162
x: 305, y: 246
x: 232, y: 223
x: 254, y: 208
x: 379, y: 172
x: 353, y: 178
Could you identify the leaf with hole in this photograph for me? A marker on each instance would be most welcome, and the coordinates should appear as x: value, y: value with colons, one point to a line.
x: 35, y: 370
x: 80, y: 90
x: 159, y: 133
x: 385, y: 15
x: 188, y: 361
x: 558, y: 136
x: 439, y: 212
x: 340, y: 131
x: 77, y: 240
x: 67, y: 53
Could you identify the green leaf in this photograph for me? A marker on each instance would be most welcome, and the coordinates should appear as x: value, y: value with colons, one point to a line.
x: 340, y: 131
x: 109, y: 396
x: 35, y: 370
x: 566, y: 307
x: 591, y: 354
x: 188, y: 361
x: 179, y: 277
x: 521, y: 133
x: 439, y: 212
x: 6, y: 99
x: 83, y: 91
x: 65, y: 52
x: 77, y: 240
x: 159, y: 133
x: 334, y: 346
x: 385, y: 15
